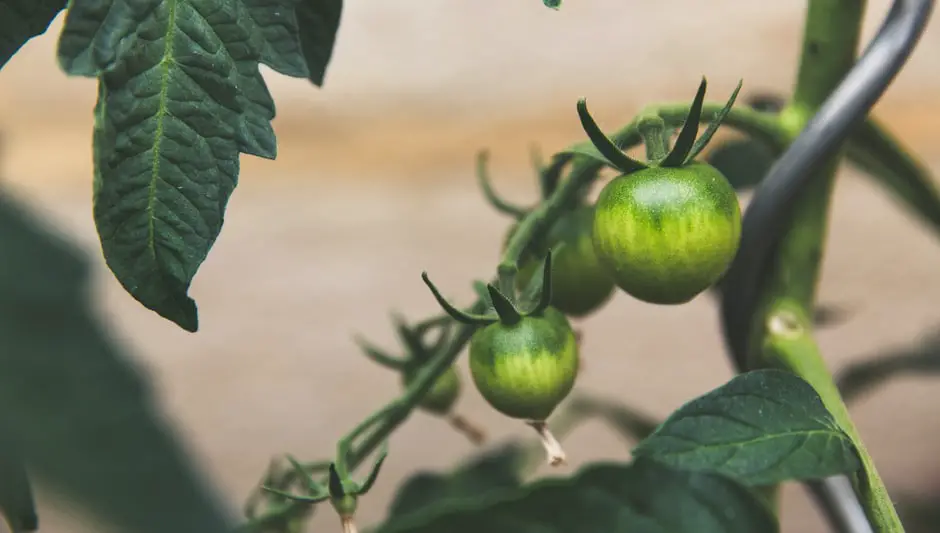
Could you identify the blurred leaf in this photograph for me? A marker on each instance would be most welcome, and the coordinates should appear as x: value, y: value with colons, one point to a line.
x: 744, y: 162
x: 761, y: 428
x: 75, y: 406
x: 16, y: 492
x: 21, y: 20
x: 862, y: 377
x: 642, y: 497
x: 492, y: 470
x: 875, y: 151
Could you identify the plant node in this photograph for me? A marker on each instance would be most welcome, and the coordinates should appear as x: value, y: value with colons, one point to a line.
x: 553, y: 450
x: 349, y: 524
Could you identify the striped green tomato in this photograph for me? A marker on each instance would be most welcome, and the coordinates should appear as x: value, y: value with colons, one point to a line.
x: 580, y: 284
x: 526, y: 369
x: 667, y: 234
x: 442, y: 394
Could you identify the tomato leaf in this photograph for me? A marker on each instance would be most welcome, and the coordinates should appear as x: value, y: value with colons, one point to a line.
x: 74, y: 406
x: 643, y: 497
x: 495, y: 469
x: 761, y: 428
x: 318, y: 22
x: 21, y: 20
x: 181, y: 98
x: 16, y: 492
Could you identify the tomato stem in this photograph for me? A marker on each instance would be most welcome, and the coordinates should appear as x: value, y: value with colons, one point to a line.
x: 652, y: 128
x: 470, y: 430
x: 553, y: 450
x: 349, y: 524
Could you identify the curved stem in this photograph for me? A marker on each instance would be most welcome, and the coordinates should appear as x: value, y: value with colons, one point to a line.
x: 483, y: 176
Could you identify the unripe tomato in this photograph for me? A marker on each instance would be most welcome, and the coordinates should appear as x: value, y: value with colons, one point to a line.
x: 526, y: 369
x: 580, y: 283
x: 667, y: 234
x: 442, y: 395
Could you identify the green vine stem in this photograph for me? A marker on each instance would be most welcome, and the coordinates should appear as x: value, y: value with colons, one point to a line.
x: 782, y: 331
x: 365, y: 438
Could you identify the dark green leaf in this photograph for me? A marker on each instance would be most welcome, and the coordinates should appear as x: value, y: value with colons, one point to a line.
x: 21, y: 20
x: 77, y: 409
x: 181, y: 97
x: 319, y: 21
x: 761, y: 428
x: 16, y: 493
x: 744, y: 162
x: 876, y: 152
x: 643, y: 497
x: 495, y: 469
x: 554, y: 4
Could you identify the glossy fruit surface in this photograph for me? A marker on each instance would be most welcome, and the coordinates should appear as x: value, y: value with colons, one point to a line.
x: 526, y: 369
x: 580, y: 283
x: 667, y: 234
x: 442, y: 395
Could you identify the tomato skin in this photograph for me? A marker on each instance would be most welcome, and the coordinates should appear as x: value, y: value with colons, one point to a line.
x: 526, y: 369
x: 442, y: 395
x: 580, y: 283
x: 667, y: 234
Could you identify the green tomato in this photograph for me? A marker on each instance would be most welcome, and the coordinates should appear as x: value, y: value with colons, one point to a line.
x: 667, y: 234
x: 442, y: 395
x: 580, y: 283
x: 526, y: 369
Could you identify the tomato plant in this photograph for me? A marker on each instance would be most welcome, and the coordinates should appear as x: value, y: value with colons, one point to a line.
x: 180, y: 99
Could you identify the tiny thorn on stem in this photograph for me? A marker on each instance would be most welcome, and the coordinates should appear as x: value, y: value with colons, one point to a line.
x: 470, y: 430
x: 349, y: 524
x: 555, y: 454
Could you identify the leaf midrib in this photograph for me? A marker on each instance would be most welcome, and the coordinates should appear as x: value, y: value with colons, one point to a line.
x: 829, y: 433
x: 162, y: 111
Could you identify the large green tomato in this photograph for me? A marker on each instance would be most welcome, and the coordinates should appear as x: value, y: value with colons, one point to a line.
x: 580, y: 283
x: 667, y: 234
x: 442, y: 394
x: 526, y: 369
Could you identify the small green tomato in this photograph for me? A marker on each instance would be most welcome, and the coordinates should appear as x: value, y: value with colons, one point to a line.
x: 667, y: 234
x: 580, y: 283
x: 524, y: 370
x: 443, y: 394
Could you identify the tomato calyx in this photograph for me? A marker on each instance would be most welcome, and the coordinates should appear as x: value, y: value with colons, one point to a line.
x: 341, y: 490
x: 655, y: 136
x: 500, y: 306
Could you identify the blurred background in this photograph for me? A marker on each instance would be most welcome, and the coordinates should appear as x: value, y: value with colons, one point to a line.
x: 374, y: 183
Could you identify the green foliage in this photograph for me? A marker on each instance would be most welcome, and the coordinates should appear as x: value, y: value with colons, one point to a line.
x: 642, y: 497
x: 495, y: 469
x: 21, y: 20
x: 16, y: 491
x: 180, y: 97
x: 74, y: 406
x: 761, y: 428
